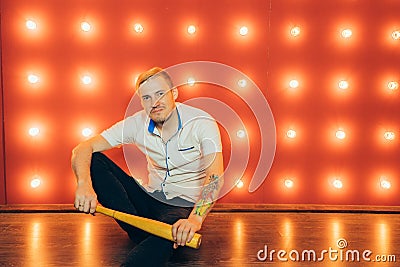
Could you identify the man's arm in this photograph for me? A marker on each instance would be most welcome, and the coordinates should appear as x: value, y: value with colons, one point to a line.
x: 184, y: 229
x: 85, y: 197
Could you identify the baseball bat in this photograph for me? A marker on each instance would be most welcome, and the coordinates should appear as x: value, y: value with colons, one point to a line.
x: 154, y: 227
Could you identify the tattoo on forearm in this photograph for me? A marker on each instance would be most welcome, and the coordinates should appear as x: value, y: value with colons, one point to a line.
x: 208, y: 196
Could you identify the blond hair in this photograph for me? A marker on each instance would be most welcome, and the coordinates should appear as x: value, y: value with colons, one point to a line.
x: 156, y: 71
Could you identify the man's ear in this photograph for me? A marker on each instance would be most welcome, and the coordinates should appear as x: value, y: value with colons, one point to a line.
x: 175, y: 93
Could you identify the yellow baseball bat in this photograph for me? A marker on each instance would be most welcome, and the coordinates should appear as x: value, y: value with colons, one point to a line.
x: 154, y: 227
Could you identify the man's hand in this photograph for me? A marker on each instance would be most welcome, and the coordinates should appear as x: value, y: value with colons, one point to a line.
x: 184, y: 229
x: 85, y: 198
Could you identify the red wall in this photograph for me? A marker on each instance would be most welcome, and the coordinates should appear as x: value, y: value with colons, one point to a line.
x: 113, y: 53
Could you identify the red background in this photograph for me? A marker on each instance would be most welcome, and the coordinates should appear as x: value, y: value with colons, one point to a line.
x: 60, y: 53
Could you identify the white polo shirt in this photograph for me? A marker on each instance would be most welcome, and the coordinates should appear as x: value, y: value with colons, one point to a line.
x: 175, y: 166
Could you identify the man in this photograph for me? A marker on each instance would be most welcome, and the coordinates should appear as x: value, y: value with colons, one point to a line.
x: 183, y: 150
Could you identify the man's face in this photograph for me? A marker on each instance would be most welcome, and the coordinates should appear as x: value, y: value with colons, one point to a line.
x: 158, y: 100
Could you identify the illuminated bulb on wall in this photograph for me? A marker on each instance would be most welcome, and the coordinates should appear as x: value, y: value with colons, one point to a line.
x: 239, y: 184
x: 295, y: 31
x: 343, y: 85
x: 191, y: 29
x: 34, y: 131
x: 347, y: 33
x: 243, y: 31
x: 337, y: 184
x: 289, y: 183
x: 191, y: 81
x: 31, y: 25
x: 86, y: 79
x: 294, y: 84
x: 242, y: 83
x: 385, y: 183
x: 340, y: 134
x: 291, y: 134
x: 85, y: 26
x: 393, y: 86
x: 389, y: 136
x: 241, y: 134
x: 86, y: 132
x: 36, y: 182
x: 33, y: 79
x: 138, y: 28
x: 396, y: 35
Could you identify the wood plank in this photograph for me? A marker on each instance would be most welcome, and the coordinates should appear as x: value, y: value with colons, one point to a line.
x: 229, y: 238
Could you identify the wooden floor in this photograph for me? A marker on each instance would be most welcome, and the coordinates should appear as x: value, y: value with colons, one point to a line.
x: 229, y: 239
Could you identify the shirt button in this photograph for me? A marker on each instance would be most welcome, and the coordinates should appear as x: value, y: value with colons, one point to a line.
x: 168, y: 158
x: 163, y: 184
x: 166, y: 193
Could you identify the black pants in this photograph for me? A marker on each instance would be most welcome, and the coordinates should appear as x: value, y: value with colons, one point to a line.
x: 117, y: 190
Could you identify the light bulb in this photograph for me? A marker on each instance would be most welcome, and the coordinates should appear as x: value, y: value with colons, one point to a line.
x: 36, y: 181
x: 343, y: 85
x: 242, y: 83
x: 295, y: 31
x: 340, y: 134
x: 33, y: 78
x: 337, y: 183
x: 396, y: 35
x: 241, y: 134
x: 385, y: 183
x: 138, y: 28
x: 347, y: 33
x: 191, y: 29
x: 294, y: 84
x: 393, y: 85
x: 86, y: 132
x: 31, y: 25
x: 86, y: 79
x: 85, y: 26
x: 389, y: 136
x: 239, y: 184
x: 243, y: 31
x: 191, y: 81
x: 289, y: 183
x: 291, y: 134
x: 34, y: 131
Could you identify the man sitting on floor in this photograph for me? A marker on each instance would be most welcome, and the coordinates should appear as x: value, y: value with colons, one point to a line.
x: 183, y: 150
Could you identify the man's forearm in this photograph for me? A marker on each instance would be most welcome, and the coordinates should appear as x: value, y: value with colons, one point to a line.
x: 81, y: 158
x: 208, y: 197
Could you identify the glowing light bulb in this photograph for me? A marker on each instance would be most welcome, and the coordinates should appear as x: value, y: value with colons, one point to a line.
x: 337, y: 183
x: 385, y: 183
x: 32, y: 78
x: 340, y: 134
x: 86, y: 132
x: 85, y: 26
x: 191, y: 81
x: 389, y: 136
x: 31, y: 25
x: 243, y: 31
x: 347, y: 33
x: 86, y: 79
x: 239, y: 184
x: 138, y: 28
x: 295, y: 31
x: 393, y: 85
x: 36, y: 181
x: 241, y: 134
x: 289, y: 183
x: 34, y: 131
x: 343, y: 85
x: 294, y: 84
x: 191, y: 29
x: 291, y: 134
x: 396, y: 35
x: 242, y: 83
